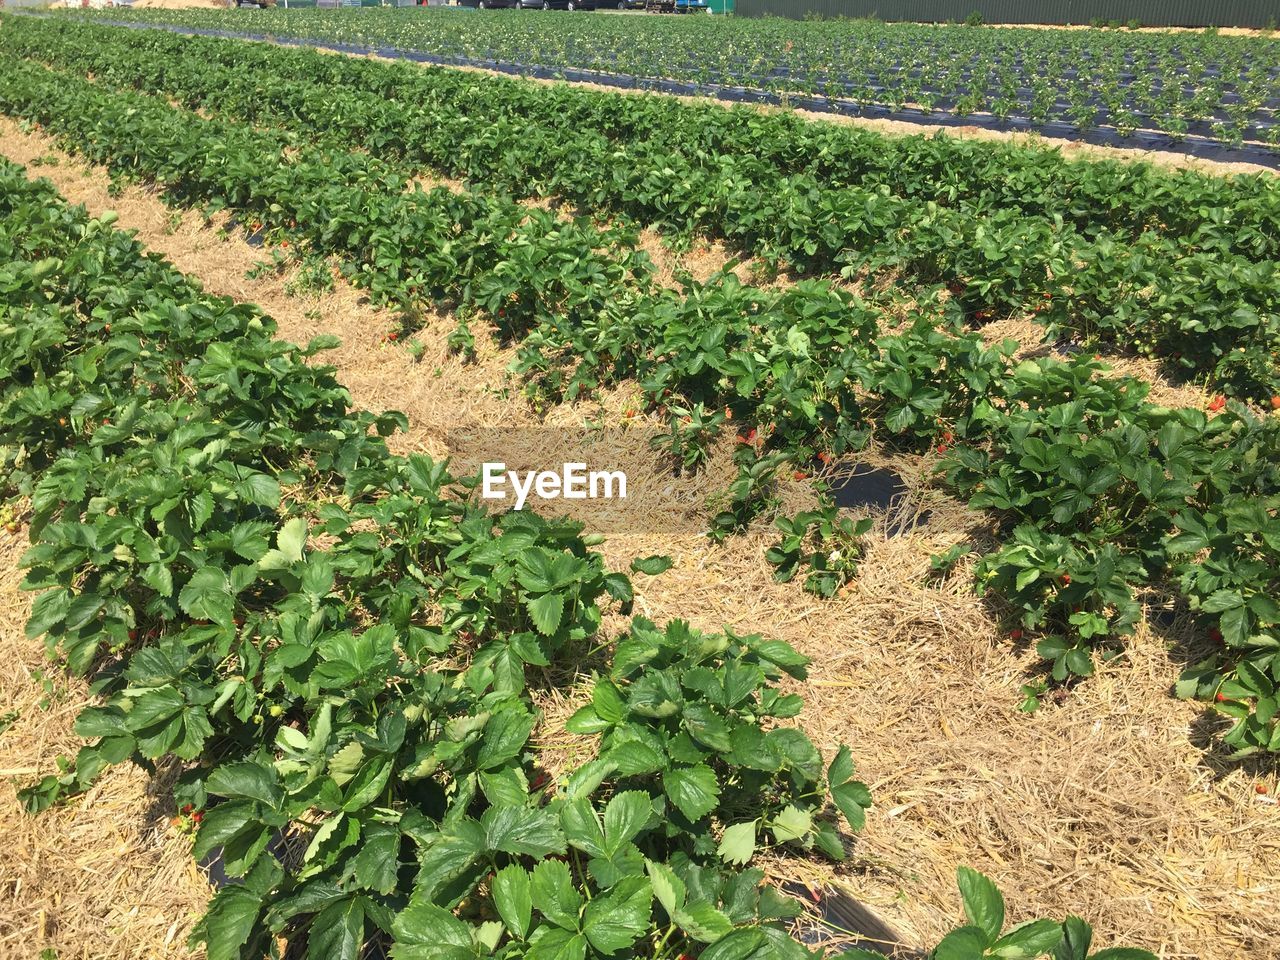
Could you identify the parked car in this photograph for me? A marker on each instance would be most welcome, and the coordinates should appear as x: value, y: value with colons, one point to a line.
x: 489, y: 4
x: 623, y: 4
x: 676, y: 6
x: 556, y: 4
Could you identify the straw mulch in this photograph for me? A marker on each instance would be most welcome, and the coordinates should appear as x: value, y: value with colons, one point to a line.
x: 1110, y: 804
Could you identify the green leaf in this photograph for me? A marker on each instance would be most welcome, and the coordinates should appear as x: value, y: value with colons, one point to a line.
x: 791, y: 823
x: 424, y: 930
x: 292, y: 538
x: 207, y: 596
x: 377, y: 862
x: 533, y: 832
x: 1029, y: 940
x: 841, y: 768
x: 1076, y: 938
x: 513, y: 898
x: 586, y: 721
x: 703, y: 922
x: 654, y: 565
x: 554, y: 894
x: 546, y: 612
x: 607, y: 701
x: 852, y: 799
x: 624, y: 817
x: 618, y: 919
x: 983, y: 904
x: 246, y: 779
x: 965, y: 943
x: 49, y: 610
x: 505, y: 736
x: 745, y: 943
x: 582, y: 827
x: 694, y: 790
x: 229, y: 922
x: 738, y: 843
x: 550, y: 943
x: 667, y: 886
x: 337, y: 932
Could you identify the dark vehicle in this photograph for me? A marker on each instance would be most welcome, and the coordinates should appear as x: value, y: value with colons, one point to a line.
x: 623, y: 4
x: 489, y: 4
x: 676, y: 6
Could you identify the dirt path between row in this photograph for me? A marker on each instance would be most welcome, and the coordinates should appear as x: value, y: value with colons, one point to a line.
x: 1106, y: 805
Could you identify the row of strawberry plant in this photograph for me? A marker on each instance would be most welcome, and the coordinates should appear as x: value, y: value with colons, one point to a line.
x: 1119, y: 196
x: 794, y: 365
x: 1184, y: 299
x: 1219, y: 87
x: 371, y: 696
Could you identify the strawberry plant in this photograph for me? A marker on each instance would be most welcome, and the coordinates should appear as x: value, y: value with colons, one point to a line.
x: 1210, y: 86
x: 822, y: 543
x: 353, y: 666
x: 983, y: 936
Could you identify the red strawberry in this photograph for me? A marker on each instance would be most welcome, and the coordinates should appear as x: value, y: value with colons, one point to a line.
x: 1066, y: 579
x: 1275, y: 402
x: 393, y: 336
x: 1220, y: 697
x: 1217, y: 403
x: 825, y: 457
x: 628, y: 414
x: 728, y: 413
x: 198, y: 816
x: 133, y: 634
x: 1015, y: 633
x: 942, y: 448
x: 801, y: 475
x: 1215, y: 634
x: 1261, y: 789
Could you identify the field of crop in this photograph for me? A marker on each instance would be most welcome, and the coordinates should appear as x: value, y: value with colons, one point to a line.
x: 390, y: 715
x: 1199, y: 86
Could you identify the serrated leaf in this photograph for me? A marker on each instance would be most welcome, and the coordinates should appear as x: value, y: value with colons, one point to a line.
x: 618, y: 919
x: 652, y: 566
x: 337, y: 931
x: 667, y: 886
x: 983, y: 904
x: 694, y: 790
x: 291, y: 539
x: 554, y: 894
x: 738, y: 843
x: 546, y: 612
x: 791, y: 823
x: 207, y: 596
x: 513, y: 898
